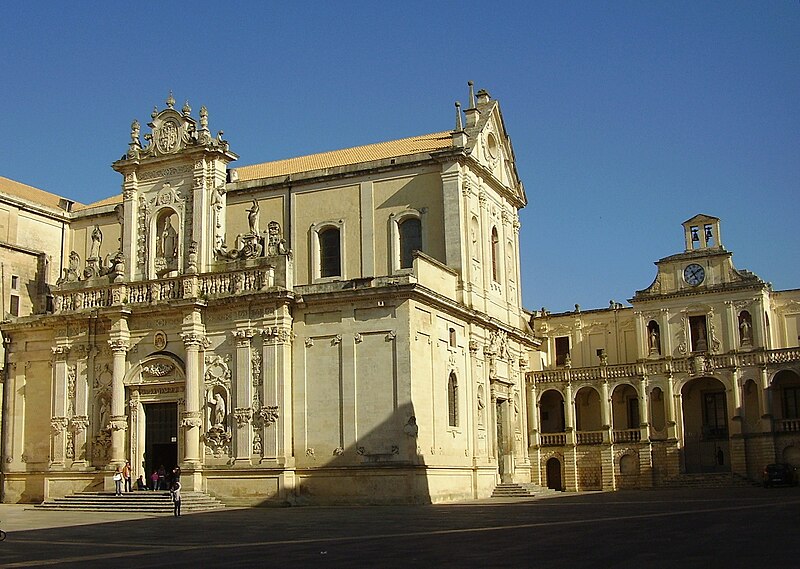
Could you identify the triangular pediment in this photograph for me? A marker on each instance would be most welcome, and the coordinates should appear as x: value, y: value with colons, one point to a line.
x: 489, y: 144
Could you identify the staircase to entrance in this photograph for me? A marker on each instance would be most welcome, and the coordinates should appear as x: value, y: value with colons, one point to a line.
x: 144, y: 502
x: 521, y: 490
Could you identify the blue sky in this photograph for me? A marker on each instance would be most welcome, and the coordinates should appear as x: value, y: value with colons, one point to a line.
x: 627, y: 118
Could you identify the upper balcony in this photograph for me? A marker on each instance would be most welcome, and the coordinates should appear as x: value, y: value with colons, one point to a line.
x: 698, y: 364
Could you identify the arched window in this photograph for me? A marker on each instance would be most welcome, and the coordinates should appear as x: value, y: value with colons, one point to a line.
x: 452, y: 400
x: 410, y: 230
x: 495, y: 255
x: 330, y: 257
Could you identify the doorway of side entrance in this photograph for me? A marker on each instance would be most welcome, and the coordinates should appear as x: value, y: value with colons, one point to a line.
x: 161, y: 436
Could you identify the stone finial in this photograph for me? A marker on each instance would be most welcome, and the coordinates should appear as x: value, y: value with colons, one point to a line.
x: 154, y: 114
x: 135, y: 131
x: 186, y: 110
x: 459, y: 125
x: 471, y: 94
x: 203, y: 117
x: 170, y: 101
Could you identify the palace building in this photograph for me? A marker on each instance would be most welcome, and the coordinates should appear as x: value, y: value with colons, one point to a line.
x: 701, y: 375
x: 347, y: 327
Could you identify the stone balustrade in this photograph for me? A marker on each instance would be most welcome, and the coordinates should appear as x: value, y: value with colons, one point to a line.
x: 696, y: 364
x: 553, y: 439
x: 83, y: 296
x: 627, y: 436
x: 787, y: 426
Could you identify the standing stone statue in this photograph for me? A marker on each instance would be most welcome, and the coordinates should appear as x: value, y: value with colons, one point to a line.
x: 252, y: 218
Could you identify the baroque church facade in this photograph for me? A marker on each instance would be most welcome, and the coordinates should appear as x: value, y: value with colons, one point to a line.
x: 348, y: 327
x: 339, y: 327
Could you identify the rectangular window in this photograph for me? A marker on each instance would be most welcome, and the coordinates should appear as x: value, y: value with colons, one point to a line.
x: 14, y: 282
x: 633, y: 413
x: 791, y: 403
x: 699, y: 333
x: 14, y: 305
x: 562, y: 350
x: 330, y: 253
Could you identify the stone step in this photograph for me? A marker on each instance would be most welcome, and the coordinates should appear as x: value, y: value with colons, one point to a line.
x: 520, y: 490
x: 143, y: 501
x: 707, y: 480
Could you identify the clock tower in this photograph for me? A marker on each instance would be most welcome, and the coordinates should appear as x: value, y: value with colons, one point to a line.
x: 703, y: 267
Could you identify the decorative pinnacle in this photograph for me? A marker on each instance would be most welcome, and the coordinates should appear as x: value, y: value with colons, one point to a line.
x: 135, y: 131
x: 459, y: 125
x: 186, y: 110
x: 171, y: 101
x: 471, y: 94
x: 204, y: 117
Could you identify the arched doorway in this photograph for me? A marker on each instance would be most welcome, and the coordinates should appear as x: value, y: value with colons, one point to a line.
x: 705, y: 426
x: 553, y: 473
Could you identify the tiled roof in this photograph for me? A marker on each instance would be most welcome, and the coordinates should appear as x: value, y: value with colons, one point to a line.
x: 348, y: 156
x: 111, y: 200
x: 30, y: 193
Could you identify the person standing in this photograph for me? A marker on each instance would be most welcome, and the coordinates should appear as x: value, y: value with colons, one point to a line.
x: 162, y: 478
x: 126, y: 476
x: 175, y: 492
x: 117, y: 482
x: 154, y: 480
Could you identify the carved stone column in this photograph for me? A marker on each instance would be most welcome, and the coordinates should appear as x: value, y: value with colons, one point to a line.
x: 569, y: 412
x: 59, y: 419
x: 276, y: 374
x: 119, y: 420
x: 644, y: 410
x: 243, y: 392
x: 191, y: 420
x: 671, y: 401
x: 80, y: 419
x: 533, y: 414
x: 605, y: 412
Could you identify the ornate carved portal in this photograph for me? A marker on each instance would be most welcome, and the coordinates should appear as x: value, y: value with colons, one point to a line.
x: 155, y: 392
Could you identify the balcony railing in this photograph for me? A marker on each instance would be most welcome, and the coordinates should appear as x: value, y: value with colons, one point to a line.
x: 627, y: 436
x: 590, y: 437
x: 553, y: 439
x: 787, y: 425
x: 82, y: 296
x: 698, y: 364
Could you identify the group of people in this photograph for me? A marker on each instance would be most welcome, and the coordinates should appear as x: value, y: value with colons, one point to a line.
x: 159, y: 480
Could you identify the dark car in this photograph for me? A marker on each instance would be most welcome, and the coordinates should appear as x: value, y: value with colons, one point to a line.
x: 780, y: 474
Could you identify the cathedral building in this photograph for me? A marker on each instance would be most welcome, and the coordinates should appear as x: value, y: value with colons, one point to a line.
x: 347, y: 327
x: 701, y: 375
x: 340, y: 327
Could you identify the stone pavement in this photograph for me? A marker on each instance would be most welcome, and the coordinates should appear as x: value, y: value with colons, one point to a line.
x: 734, y: 527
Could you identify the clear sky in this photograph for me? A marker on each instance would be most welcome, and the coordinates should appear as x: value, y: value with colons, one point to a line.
x: 627, y: 117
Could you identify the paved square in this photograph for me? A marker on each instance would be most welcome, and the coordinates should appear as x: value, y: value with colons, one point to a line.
x: 743, y: 527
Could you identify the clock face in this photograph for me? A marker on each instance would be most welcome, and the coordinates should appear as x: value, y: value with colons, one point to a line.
x: 694, y: 274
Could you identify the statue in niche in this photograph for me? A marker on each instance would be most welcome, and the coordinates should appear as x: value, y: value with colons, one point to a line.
x: 218, y: 411
x: 745, y: 329
x: 252, y: 218
x: 654, y: 341
x: 167, y: 246
x: 103, y: 414
x: 97, y: 240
